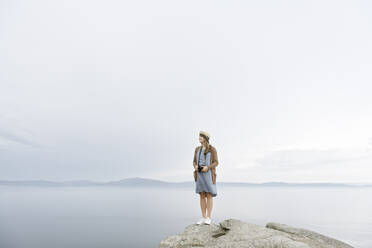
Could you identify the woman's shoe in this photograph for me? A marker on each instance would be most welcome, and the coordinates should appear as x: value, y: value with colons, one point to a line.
x: 201, y: 221
x: 207, y: 221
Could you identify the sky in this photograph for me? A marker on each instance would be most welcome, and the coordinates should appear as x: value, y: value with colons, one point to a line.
x: 106, y: 90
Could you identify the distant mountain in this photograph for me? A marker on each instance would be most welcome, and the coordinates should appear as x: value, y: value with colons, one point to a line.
x: 147, y: 182
x: 138, y: 181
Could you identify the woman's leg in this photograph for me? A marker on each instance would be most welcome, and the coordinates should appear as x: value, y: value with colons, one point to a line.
x: 203, y: 204
x: 209, y: 203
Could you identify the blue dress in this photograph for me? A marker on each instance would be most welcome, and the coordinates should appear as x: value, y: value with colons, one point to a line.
x: 204, y: 179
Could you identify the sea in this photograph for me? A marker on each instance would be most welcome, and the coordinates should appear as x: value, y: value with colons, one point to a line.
x: 140, y: 217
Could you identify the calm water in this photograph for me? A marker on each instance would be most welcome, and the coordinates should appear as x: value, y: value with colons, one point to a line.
x: 88, y: 217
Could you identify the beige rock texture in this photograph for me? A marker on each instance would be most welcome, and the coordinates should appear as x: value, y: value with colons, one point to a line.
x: 233, y: 233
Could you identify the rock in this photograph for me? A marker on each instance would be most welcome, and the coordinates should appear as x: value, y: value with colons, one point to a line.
x: 232, y: 233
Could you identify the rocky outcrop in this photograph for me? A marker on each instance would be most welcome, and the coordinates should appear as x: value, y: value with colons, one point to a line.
x: 233, y: 233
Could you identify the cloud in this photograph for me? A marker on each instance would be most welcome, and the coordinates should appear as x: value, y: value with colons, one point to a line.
x: 12, y: 127
x: 17, y: 138
x: 311, y: 158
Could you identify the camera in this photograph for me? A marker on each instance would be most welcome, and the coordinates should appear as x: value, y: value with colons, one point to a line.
x: 200, y: 168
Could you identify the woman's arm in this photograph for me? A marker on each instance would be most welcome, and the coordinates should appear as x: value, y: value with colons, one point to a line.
x: 194, y: 161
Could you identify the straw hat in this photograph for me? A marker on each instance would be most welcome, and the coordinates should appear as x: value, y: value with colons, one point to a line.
x: 205, y: 135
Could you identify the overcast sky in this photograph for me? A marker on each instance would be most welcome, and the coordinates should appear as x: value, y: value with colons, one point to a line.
x: 105, y: 90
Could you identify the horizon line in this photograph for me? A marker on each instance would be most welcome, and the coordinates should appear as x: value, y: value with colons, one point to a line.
x: 153, y: 179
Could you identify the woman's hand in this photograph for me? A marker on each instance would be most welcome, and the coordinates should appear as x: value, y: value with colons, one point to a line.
x: 205, y: 169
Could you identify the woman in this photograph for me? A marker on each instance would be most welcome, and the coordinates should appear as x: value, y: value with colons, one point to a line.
x: 205, y: 158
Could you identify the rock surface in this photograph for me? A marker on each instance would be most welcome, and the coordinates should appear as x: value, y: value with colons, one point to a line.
x: 233, y: 233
